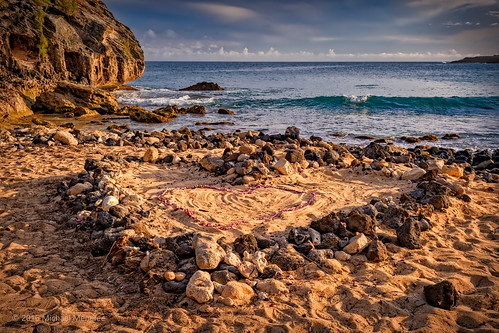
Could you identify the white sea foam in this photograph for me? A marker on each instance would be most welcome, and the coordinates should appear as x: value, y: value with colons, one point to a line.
x: 357, y: 99
x: 147, y: 100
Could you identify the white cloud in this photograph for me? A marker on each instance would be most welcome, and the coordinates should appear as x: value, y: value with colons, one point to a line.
x: 413, y: 40
x: 433, y: 8
x: 150, y: 33
x: 226, y: 12
x: 323, y: 39
x: 186, y: 51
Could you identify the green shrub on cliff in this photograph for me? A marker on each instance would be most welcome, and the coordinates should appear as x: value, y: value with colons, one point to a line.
x: 43, y: 46
x: 67, y: 6
x: 42, y: 3
x: 39, y: 17
x: 126, y: 48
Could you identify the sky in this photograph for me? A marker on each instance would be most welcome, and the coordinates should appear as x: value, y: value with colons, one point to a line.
x: 313, y: 30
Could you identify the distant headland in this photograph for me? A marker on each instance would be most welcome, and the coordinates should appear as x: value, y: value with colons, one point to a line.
x: 480, y: 60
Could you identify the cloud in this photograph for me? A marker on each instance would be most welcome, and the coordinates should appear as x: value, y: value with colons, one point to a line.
x: 433, y: 8
x: 413, y: 40
x: 324, y: 39
x: 150, y: 33
x: 226, y: 12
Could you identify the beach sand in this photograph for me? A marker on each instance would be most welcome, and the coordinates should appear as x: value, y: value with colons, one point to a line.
x: 50, y: 280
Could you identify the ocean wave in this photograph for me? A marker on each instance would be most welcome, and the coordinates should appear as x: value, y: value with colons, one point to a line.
x: 384, y: 103
x: 163, y: 100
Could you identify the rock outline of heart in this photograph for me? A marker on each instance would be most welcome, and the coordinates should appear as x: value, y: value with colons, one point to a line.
x: 167, y: 202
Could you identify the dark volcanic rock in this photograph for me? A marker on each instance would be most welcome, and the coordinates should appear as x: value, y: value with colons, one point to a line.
x: 394, y: 216
x: 408, y: 234
x: 295, y: 155
x: 223, y: 276
x: 288, y: 259
x: 376, y: 151
x: 359, y: 222
x: 169, y: 111
x: 225, y: 111
x: 195, y: 109
x: 292, y: 132
x: 141, y: 115
x: 271, y: 272
x: 175, y: 287
x: 429, y: 137
x: 442, y: 295
x: 440, y: 202
x: 329, y: 241
x: 264, y: 242
x: 329, y: 223
x: 451, y: 136
x: 203, y: 86
x: 245, y: 243
x: 101, y: 246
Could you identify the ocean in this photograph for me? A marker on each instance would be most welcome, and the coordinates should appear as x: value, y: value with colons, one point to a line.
x: 385, y: 100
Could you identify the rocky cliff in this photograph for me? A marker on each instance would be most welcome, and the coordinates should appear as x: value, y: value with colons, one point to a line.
x: 44, y: 42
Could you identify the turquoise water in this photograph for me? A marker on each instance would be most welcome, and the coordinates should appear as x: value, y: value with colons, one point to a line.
x: 377, y: 99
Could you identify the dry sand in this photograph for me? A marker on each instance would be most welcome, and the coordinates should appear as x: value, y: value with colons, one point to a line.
x: 49, y: 278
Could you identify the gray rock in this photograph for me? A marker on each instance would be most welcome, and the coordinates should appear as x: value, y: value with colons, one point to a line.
x: 303, y: 234
x: 357, y: 244
x: 244, y: 168
x: 223, y: 276
x: 211, y: 163
x: 408, y: 234
x: 208, y: 253
x: 264, y: 242
x: 359, y: 222
x: 376, y: 251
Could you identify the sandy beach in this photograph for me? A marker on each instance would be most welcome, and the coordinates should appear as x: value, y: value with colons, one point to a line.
x: 53, y: 279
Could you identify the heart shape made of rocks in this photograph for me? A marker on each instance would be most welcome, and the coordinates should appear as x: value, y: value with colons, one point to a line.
x: 231, y: 197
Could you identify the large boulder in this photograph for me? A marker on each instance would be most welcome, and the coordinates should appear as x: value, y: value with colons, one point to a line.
x: 141, y: 115
x: 200, y: 287
x: 45, y: 42
x: 71, y: 97
x: 208, y: 253
x: 442, y: 295
x: 202, y: 86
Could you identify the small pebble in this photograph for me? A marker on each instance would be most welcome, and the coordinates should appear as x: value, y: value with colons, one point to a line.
x: 169, y: 276
x: 179, y: 276
x: 226, y: 301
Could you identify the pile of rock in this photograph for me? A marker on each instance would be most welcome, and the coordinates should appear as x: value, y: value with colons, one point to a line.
x: 211, y: 271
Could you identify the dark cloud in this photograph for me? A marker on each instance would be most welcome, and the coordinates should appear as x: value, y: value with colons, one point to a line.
x: 311, y: 30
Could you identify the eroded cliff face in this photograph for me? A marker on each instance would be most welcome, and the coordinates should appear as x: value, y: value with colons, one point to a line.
x: 43, y: 42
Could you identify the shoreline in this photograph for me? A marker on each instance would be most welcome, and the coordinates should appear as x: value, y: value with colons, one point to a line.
x: 135, y: 258
x: 195, y: 122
